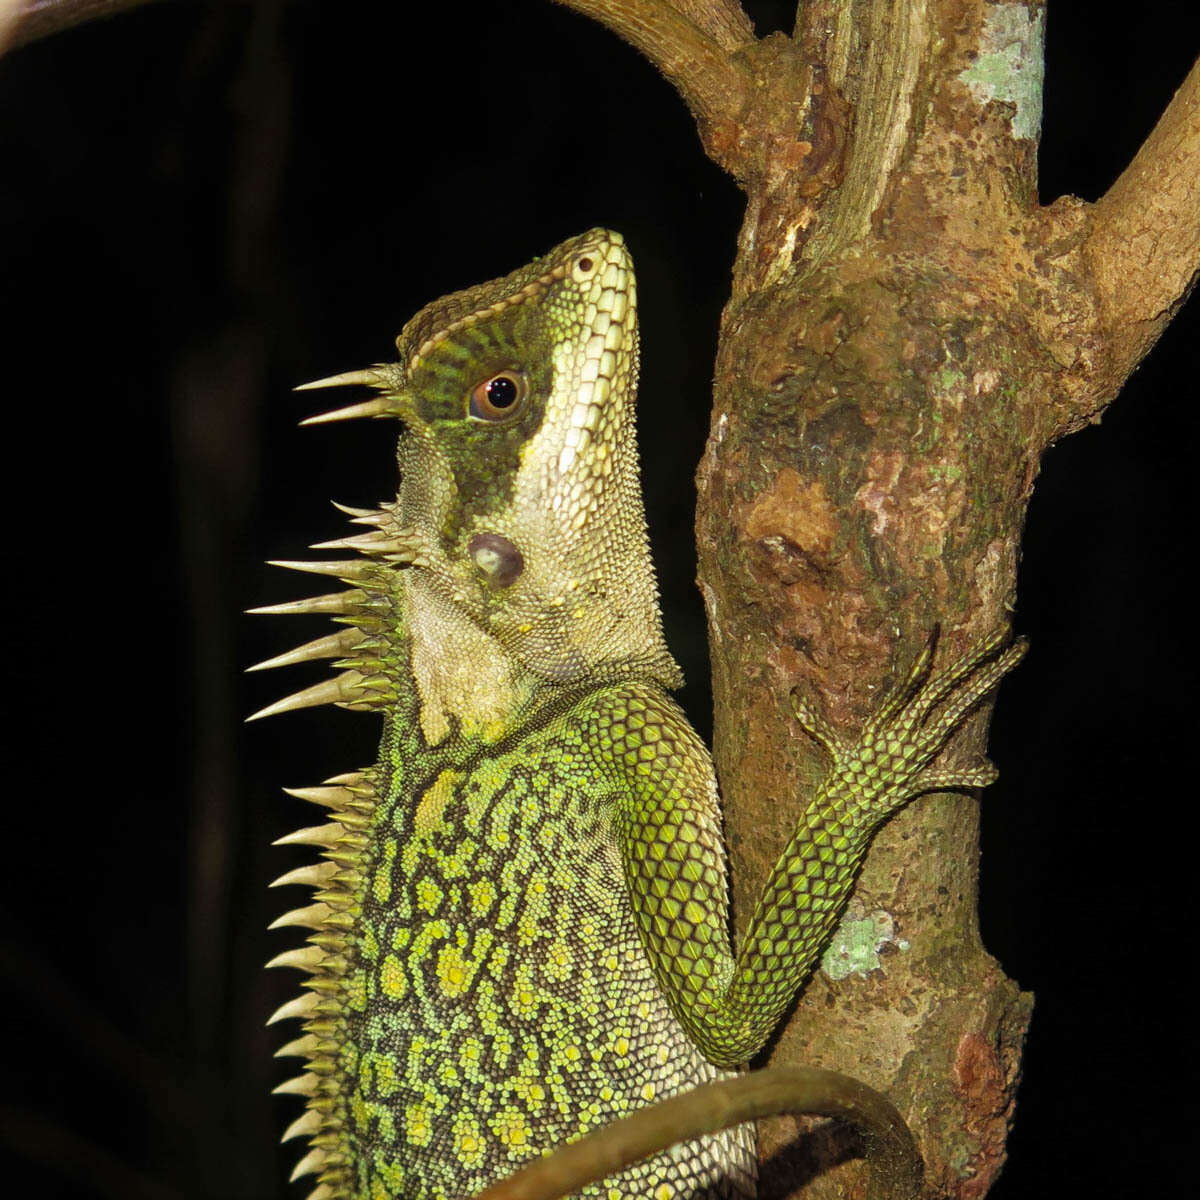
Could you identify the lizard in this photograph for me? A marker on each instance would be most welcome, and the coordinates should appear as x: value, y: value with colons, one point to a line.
x: 519, y: 930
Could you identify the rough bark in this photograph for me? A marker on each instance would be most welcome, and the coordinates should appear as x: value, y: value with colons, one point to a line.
x: 908, y: 331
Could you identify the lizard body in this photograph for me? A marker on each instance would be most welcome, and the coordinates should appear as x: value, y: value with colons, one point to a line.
x: 520, y: 919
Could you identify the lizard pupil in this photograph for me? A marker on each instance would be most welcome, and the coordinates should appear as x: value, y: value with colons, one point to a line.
x: 501, y: 392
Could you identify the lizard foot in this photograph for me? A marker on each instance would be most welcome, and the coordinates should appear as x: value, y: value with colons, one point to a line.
x: 890, y: 761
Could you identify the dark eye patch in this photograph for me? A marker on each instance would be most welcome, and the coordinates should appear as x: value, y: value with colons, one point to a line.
x: 481, y: 392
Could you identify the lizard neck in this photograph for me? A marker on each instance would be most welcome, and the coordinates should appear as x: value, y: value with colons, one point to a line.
x: 479, y: 688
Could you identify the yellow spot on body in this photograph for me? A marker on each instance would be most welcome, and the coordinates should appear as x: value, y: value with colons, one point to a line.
x: 418, y: 1125
x: 385, y: 1075
x: 511, y: 1128
x: 647, y: 1093
x: 429, y: 896
x: 452, y: 971
x: 392, y: 978
x: 369, y: 946
x: 528, y: 930
x: 489, y: 1021
x: 430, y: 807
x: 558, y: 961
x: 664, y: 1191
x: 498, y: 960
x: 501, y: 1048
x: 416, y: 1057
x: 469, y: 1054
x: 483, y: 896
x: 468, y: 1141
x: 381, y: 884
x: 530, y: 1092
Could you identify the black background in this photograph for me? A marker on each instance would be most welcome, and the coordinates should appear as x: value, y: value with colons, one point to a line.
x: 203, y: 204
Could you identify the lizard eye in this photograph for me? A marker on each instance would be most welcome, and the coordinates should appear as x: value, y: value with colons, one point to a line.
x: 499, y: 397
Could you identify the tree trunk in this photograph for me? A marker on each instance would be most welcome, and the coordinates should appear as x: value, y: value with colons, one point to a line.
x: 908, y: 331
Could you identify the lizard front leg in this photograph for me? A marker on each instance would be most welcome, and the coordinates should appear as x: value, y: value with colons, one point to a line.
x: 729, y: 1006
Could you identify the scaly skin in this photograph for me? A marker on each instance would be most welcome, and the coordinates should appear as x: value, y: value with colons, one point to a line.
x: 520, y: 920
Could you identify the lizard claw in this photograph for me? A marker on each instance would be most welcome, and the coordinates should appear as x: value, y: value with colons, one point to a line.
x: 816, y: 726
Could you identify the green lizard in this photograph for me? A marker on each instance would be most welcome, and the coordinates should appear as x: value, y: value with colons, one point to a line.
x: 520, y: 920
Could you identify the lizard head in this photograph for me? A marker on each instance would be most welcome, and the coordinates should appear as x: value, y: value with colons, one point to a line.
x: 519, y: 469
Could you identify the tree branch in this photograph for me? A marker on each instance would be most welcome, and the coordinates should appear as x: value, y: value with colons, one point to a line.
x: 725, y: 21
x: 692, y: 43
x: 895, y: 1165
x: 35, y: 19
x: 1144, y: 246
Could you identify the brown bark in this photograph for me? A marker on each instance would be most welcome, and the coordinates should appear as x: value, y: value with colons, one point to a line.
x: 1144, y: 242
x: 908, y: 331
